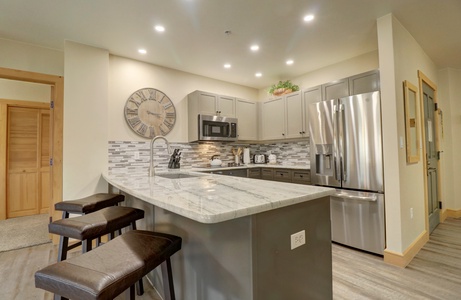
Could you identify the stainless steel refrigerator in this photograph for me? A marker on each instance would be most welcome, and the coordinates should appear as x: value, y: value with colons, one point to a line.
x: 346, y: 153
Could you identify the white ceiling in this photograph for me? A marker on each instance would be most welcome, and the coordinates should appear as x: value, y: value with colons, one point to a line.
x: 195, y: 39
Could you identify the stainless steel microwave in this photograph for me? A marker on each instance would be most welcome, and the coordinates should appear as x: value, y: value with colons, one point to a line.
x: 217, y: 128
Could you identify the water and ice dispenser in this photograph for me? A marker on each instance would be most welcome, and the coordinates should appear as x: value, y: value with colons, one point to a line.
x: 324, y: 164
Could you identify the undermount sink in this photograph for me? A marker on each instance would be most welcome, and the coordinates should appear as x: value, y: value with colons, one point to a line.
x: 177, y: 175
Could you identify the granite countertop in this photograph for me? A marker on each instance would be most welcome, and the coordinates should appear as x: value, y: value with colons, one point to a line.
x: 304, y: 167
x: 209, y: 198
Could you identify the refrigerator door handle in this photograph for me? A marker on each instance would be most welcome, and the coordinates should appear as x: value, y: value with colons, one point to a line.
x: 342, y: 140
x: 337, y: 164
x: 371, y: 198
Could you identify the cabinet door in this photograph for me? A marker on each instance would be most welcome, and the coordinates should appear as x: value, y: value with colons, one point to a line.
x: 282, y: 175
x: 273, y: 119
x: 207, y: 103
x: 311, y: 95
x: 301, y: 177
x: 364, y: 83
x: 226, y: 106
x: 335, y: 89
x: 267, y: 174
x: 294, y: 115
x: 246, y: 113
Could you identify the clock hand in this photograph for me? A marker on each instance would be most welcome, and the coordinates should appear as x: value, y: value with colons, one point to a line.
x: 152, y: 113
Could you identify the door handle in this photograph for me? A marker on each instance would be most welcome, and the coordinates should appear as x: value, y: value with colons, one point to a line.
x: 371, y: 198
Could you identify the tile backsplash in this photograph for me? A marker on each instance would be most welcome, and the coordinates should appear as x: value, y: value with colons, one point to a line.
x: 135, y: 155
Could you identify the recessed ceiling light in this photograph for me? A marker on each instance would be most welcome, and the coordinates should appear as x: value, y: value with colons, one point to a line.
x: 290, y: 62
x: 227, y: 66
x: 258, y: 74
x: 159, y: 28
x: 308, y: 18
x: 254, y: 48
x: 142, y: 51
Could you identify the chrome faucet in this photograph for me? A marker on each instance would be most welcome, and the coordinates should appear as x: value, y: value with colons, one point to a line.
x: 152, y: 167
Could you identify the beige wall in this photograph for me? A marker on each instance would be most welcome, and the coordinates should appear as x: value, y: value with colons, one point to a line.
x: 86, y: 81
x: 26, y: 57
x: 449, y: 97
x: 400, y: 59
x: 127, y: 76
x: 25, y: 91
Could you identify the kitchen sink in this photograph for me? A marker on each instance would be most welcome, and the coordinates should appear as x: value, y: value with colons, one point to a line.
x: 177, y: 175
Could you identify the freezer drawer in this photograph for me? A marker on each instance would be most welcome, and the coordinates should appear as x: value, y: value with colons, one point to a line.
x: 357, y: 220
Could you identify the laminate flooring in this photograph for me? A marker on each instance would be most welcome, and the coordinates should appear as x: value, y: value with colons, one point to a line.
x: 435, y: 273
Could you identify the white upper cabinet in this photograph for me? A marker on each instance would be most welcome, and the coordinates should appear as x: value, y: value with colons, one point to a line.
x: 273, y: 119
x: 211, y: 104
x: 225, y: 106
x: 311, y: 95
x: 247, y: 115
x: 294, y: 115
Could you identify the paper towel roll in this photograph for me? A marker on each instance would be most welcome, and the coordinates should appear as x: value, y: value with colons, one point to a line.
x: 246, y: 156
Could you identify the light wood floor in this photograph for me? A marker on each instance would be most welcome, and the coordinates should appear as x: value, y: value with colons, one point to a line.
x: 435, y: 273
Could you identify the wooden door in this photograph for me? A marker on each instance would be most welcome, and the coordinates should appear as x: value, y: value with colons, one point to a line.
x: 28, y: 170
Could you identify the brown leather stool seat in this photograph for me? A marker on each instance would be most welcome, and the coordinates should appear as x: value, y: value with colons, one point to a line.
x: 112, y: 268
x: 93, y: 225
x: 83, y: 206
x: 88, y: 204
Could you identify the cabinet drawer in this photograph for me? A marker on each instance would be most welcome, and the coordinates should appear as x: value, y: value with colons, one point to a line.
x: 254, y: 173
x: 282, y: 175
x: 267, y: 174
x: 303, y: 177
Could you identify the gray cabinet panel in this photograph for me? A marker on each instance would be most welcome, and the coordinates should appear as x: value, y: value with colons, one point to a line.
x: 364, y: 83
x: 335, y: 89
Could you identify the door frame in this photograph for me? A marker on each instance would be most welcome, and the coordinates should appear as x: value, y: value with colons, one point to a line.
x: 422, y: 78
x: 56, y: 120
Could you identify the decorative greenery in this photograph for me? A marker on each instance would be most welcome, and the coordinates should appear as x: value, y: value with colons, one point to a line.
x: 282, y: 86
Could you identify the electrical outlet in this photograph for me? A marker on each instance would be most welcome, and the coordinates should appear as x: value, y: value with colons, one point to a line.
x: 411, y: 213
x: 298, y: 239
x: 136, y: 155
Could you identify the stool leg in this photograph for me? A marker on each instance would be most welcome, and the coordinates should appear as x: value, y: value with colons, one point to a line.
x: 87, y: 245
x: 57, y: 297
x: 129, y: 293
x: 166, y: 268
x: 63, y: 248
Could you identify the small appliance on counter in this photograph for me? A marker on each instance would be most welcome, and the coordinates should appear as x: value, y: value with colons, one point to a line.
x: 260, y: 158
x: 246, y: 156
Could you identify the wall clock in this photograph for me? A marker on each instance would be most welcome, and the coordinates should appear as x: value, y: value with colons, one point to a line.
x: 149, y: 112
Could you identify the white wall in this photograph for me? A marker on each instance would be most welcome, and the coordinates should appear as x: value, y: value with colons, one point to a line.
x: 127, y: 76
x: 86, y: 124
x: 400, y: 59
x: 449, y: 97
x: 344, y: 69
x: 26, y: 57
x: 26, y: 91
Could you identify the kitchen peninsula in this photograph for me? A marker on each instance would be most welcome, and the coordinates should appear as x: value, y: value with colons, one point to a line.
x: 236, y: 234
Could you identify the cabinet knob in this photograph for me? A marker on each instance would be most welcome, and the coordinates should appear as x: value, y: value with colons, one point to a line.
x: 300, y: 132
x: 283, y: 134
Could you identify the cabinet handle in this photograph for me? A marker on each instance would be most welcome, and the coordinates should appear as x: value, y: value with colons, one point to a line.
x: 283, y: 134
x: 300, y: 132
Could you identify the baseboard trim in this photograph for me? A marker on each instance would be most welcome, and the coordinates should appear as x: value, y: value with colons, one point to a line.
x: 453, y: 213
x: 402, y: 260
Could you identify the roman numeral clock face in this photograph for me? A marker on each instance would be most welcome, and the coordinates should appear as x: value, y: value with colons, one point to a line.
x: 149, y: 112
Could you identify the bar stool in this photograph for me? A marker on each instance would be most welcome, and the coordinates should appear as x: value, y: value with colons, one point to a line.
x: 112, y: 268
x: 84, y: 206
x: 91, y: 226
